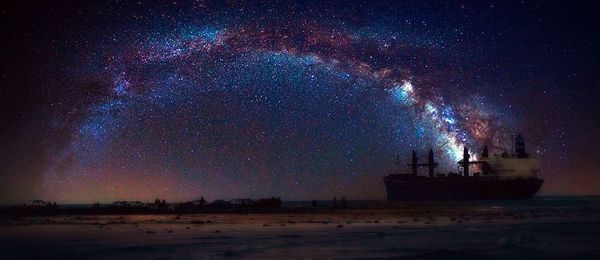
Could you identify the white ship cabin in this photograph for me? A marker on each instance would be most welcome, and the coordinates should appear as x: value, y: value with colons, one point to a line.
x: 514, y: 165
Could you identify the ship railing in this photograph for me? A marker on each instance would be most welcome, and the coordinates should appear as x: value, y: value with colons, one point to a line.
x: 534, y: 173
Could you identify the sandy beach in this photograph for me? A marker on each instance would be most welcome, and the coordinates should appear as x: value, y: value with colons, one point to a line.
x: 425, y: 230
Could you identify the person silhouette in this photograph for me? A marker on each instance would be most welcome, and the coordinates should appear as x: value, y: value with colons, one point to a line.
x: 344, y: 201
x: 335, y: 201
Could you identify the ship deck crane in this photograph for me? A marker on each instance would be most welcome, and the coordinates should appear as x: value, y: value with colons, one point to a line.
x: 431, y: 164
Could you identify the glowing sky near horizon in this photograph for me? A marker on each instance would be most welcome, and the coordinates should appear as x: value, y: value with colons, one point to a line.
x: 119, y: 100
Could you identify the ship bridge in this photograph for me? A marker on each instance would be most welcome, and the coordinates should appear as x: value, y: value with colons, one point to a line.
x: 517, y: 164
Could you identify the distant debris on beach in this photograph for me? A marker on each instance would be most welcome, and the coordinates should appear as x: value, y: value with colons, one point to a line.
x: 265, y: 205
x: 36, y: 207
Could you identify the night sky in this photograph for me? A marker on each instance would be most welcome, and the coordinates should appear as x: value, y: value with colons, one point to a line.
x: 110, y: 100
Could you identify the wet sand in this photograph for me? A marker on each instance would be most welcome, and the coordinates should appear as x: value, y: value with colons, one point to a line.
x: 428, y: 231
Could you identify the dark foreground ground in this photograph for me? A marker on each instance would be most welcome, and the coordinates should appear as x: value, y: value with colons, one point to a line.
x: 540, y: 228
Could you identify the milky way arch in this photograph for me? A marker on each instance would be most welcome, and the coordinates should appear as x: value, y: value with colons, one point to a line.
x: 150, y: 76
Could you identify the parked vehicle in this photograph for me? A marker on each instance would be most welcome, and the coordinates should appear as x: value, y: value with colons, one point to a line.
x: 242, y: 203
x: 268, y: 203
x: 128, y: 204
x: 36, y: 203
x: 221, y: 204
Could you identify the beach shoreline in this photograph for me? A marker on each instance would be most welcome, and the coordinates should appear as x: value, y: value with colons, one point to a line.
x: 526, y: 229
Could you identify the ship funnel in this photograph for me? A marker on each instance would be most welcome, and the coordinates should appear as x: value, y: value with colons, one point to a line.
x: 520, y: 147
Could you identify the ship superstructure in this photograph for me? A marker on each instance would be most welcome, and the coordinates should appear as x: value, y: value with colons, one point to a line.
x: 513, y: 175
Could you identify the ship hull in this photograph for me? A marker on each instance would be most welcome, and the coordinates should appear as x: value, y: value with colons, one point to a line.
x: 460, y: 188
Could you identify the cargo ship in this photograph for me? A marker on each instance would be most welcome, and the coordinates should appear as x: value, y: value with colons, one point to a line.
x: 506, y: 176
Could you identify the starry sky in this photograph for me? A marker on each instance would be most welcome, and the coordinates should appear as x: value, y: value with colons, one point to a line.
x: 110, y: 100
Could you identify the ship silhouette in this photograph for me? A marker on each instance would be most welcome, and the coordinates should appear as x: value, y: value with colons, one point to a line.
x: 505, y: 176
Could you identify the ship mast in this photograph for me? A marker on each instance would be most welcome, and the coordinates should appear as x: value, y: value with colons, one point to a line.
x: 465, y: 162
x: 431, y: 164
x: 414, y: 163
